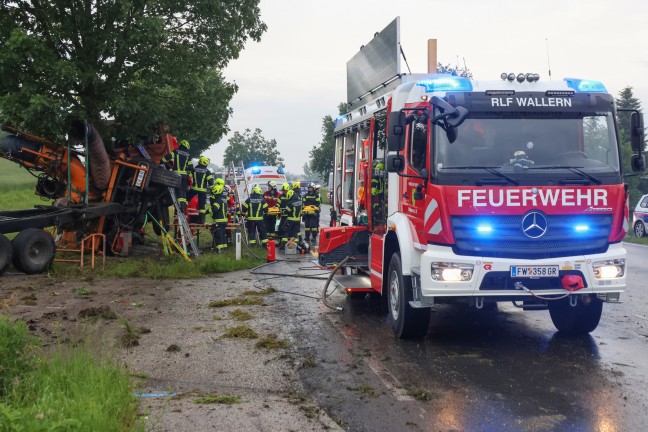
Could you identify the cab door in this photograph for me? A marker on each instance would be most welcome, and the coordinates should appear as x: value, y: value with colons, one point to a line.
x: 417, y: 155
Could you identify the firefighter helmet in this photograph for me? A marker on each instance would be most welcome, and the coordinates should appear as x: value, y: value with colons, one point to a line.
x: 285, y: 187
x: 296, y: 185
x: 290, y: 194
x: 317, y: 186
x: 311, y: 185
x: 219, y: 181
x: 184, y: 143
x: 217, y: 189
x: 272, y: 184
x: 379, y: 165
x: 257, y: 190
x: 203, y: 160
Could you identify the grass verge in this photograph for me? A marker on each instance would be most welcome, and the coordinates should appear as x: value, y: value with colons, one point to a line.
x: 164, y: 268
x: 630, y: 238
x: 69, y: 389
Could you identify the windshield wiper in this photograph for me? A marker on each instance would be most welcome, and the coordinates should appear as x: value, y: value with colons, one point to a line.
x: 574, y: 169
x: 492, y: 170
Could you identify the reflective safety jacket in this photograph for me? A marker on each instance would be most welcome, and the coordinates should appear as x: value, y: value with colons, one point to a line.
x: 377, y: 185
x: 283, y: 200
x: 181, y: 160
x: 293, y: 210
x: 312, y: 199
x: 202, y: 178
x: 255, y: 207
x: 220, y: 206
x: 271, y: 197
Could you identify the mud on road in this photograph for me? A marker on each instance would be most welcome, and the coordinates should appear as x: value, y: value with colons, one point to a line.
x: 172, y: 342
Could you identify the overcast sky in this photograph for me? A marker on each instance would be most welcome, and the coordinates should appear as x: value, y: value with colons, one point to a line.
x: 297, y: 74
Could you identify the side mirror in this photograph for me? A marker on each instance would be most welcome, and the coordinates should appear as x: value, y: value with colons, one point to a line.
x: 425, y: 174
x: 396, y: 136
x: 451, y: 133
x: 418, y: 193
x: 638, y: 162
x: 395, y: 163
x: 637, y: 135
x: 458, y: 117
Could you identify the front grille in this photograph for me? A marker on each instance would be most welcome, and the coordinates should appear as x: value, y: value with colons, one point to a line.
x: 507, y: 239
x: 497, y: 280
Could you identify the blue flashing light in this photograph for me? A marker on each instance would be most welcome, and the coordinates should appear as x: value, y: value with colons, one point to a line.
x: 256, y: 170
x: 484, y: 229
x: 586, y: 86
x: 446, y: 83
x: 581, y: 228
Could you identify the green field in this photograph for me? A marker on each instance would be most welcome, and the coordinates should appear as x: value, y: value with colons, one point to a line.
x: 17, y: 187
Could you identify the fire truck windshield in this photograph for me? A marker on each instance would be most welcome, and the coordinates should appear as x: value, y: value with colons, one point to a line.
x: 520, y: 143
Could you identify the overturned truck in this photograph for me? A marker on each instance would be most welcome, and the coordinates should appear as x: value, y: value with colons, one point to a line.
x: 93, y: 193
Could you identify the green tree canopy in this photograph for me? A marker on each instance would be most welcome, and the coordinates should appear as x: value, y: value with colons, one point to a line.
x: 139, y: 63
x: 251, y: 149
x: 454, y: 70
x: 626, y: 100
x: 637, y: 186
x: 322, y: 157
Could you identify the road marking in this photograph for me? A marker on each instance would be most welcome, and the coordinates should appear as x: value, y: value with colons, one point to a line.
x: 389, y: 380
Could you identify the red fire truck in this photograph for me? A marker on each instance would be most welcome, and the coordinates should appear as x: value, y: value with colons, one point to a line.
x: 452, y: 190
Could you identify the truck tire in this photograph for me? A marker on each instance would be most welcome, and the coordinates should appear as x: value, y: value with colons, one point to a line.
x: 163, y: 177
x: 34, y: 251
x: 578, y: 320
x: 407, y: 322
x: 6, y: 252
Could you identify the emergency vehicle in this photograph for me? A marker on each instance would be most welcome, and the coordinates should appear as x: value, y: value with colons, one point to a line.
x: 261, y: 175
x: 452, y: 190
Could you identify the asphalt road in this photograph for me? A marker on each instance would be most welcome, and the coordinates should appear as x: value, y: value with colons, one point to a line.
x: 504, y: 370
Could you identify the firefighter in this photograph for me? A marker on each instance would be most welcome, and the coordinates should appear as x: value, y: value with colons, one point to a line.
x: 319, y: 197
x: 293, y: 215
x: 180, y: 161
x: 283, y: 200
x: 219, y: 210
x: 271, y: 197
x: 254, y: 209
x: 296, y: 187
x: 310, y: 213
x: 377, y: 190
x: 202, y: 179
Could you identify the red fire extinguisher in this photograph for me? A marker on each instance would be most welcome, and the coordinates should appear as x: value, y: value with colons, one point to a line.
x: 270, y: 251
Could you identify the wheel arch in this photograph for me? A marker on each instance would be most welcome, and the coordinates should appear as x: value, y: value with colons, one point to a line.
x: 404, y: 243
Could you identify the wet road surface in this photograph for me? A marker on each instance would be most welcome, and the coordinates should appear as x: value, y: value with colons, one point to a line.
x: 504, y: 370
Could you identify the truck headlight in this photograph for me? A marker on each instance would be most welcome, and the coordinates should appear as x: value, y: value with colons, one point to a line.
x: 610, y: 269
x: 451, y: 272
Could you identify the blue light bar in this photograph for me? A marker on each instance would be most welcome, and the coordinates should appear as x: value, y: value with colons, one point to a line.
x: 581, y: 228
x: 445, y: 84
x: 256, y: 170
x: 485, y: 229
x: 586, y: 86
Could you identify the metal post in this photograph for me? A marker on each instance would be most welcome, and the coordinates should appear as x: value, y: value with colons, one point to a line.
x: 87, y: 164
x: 238, y: 245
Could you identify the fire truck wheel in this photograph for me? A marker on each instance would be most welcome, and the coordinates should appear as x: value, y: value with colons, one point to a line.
x: 33, y: 251
x: 578, y: 320
x: 6, y: 252
x: 407, y: 322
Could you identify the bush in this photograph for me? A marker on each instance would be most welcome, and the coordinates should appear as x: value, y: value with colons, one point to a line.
x: 17, y: 353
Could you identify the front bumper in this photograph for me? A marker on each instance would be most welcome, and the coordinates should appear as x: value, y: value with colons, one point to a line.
x: 491, y: 276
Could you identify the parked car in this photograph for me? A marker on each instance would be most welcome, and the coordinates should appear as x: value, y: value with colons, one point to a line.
x: 640, y: 217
